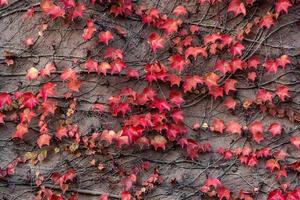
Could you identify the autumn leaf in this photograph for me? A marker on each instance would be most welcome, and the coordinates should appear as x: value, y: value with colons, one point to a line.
x: 48, y: 89
x: 3, y: 2
x: 177, y: 62
x: 32, y: 74
x: 230, y: 103
x: 21, y: 129
x: 295, y: 141
x: 234, y: 128
x: 89, y: 30
x: 176, y: 98
x: 105, y: 37
x: 275, y: 128
x: 77, y: 11
x: 158, y: 142
x: 180, y: 10
x: 5, y: 99
x: 113, y: 53
x: 229, y: 85
x: 223, y: 192
x: 282, y: 5
x: 237, y: 7
x: 68, y: 74
x: 191, y: 82
x: 91, y: 65
x: 217, y: 126
x: 272, y: 165
x: 195, y: 51
x: 275, y: 195
x: 256, y: 129
x: 267, y: 21
x: 155, y: 41
x: 51, y: 9
x: 43, y: 139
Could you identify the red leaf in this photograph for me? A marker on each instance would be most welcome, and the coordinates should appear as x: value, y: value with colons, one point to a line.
x: 234, y: 127
x: 78, y: 11
x: 216, y: 91
x: 125, y: 195
x: 176, y: 98
x: 223, y: 66
x: 177, y: 116
x: 3, y: 2
x: 28, y: 100
x: 89, y: 30
x: 44, y: 139
x: 191, y: 82
x: 117, y: 66
x: 105, y: 37
x: 272, y: 165
x: 155, y: 41
x: 21, y: 129
x: 47, y: 90
x: 283, y: 61
x: 253, y: 62
x: 217, y: 126
x: 159, y: 142
x: 51, y: 9
x: 295, y: 141
x: 74, y: 85
x: 113, y: 53
x: 271, y: 66
x: 5, y: 99
x: 180, y: 10
x: 237, y: 49
x: 263, y: 95
x: 171, y: 25
x: 237, y: 7
x: 177, y: 62
x: 174, y: 79
x: 68, y: 74
x: 195, y: 51
x: 282, y: 5
x: 229, y: 85
x: 103, y: 67
x: 275, y: 195
x: 32, y: 74
x: 267, y: 21
x: 211, y: 79
x: 132, y: 73
x: 275, y: 129
x: 61, y: 132
x: 91, y: 65
x: 108, y: 136
x: 161, y: 105
x: 223, y: 193
x: 256, y: 129
x: 103, y: 197
x: 230, y: 103
x: 47, y: 70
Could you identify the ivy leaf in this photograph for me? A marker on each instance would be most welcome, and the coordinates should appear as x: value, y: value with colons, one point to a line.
x: 47, y: 90
x: 229, y: 85
x: 216, y: 91
x: 263, y: 95
x: 125, y: 195
x: 51, y: 9
x: 237, y: 49
x: 91, y: 65
x: 105, y: 37
x: 5, y: 99
x: 43, y: 139
x: 176, y: 98
x: 158, y: 142
x: 180, y: 10
x: 113, y: 53
x: 32, y: 74
x: 275, y: 128
x: 217, y: 126
x: 174, y: 79
x: 256, y: 129
x: 230, y: 103
x: 267, y: 21
x: 253, y: 62
x: 191, y: 82
x: 177, y: 62
x: 3, y: 2
x: 89, y: 30
x: 77, y: 11
x: 295, y: 141
x: 155, y: 41
x: 234, y: 127
x: 195, y: 51
x: 275, y: 195
x: 272, y: 165
x: 237, y: 7
x: 68, y: 74
x: 223, y: 192
x: 282, y: 5
x: 161, y: 105
x: 21, y: 129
